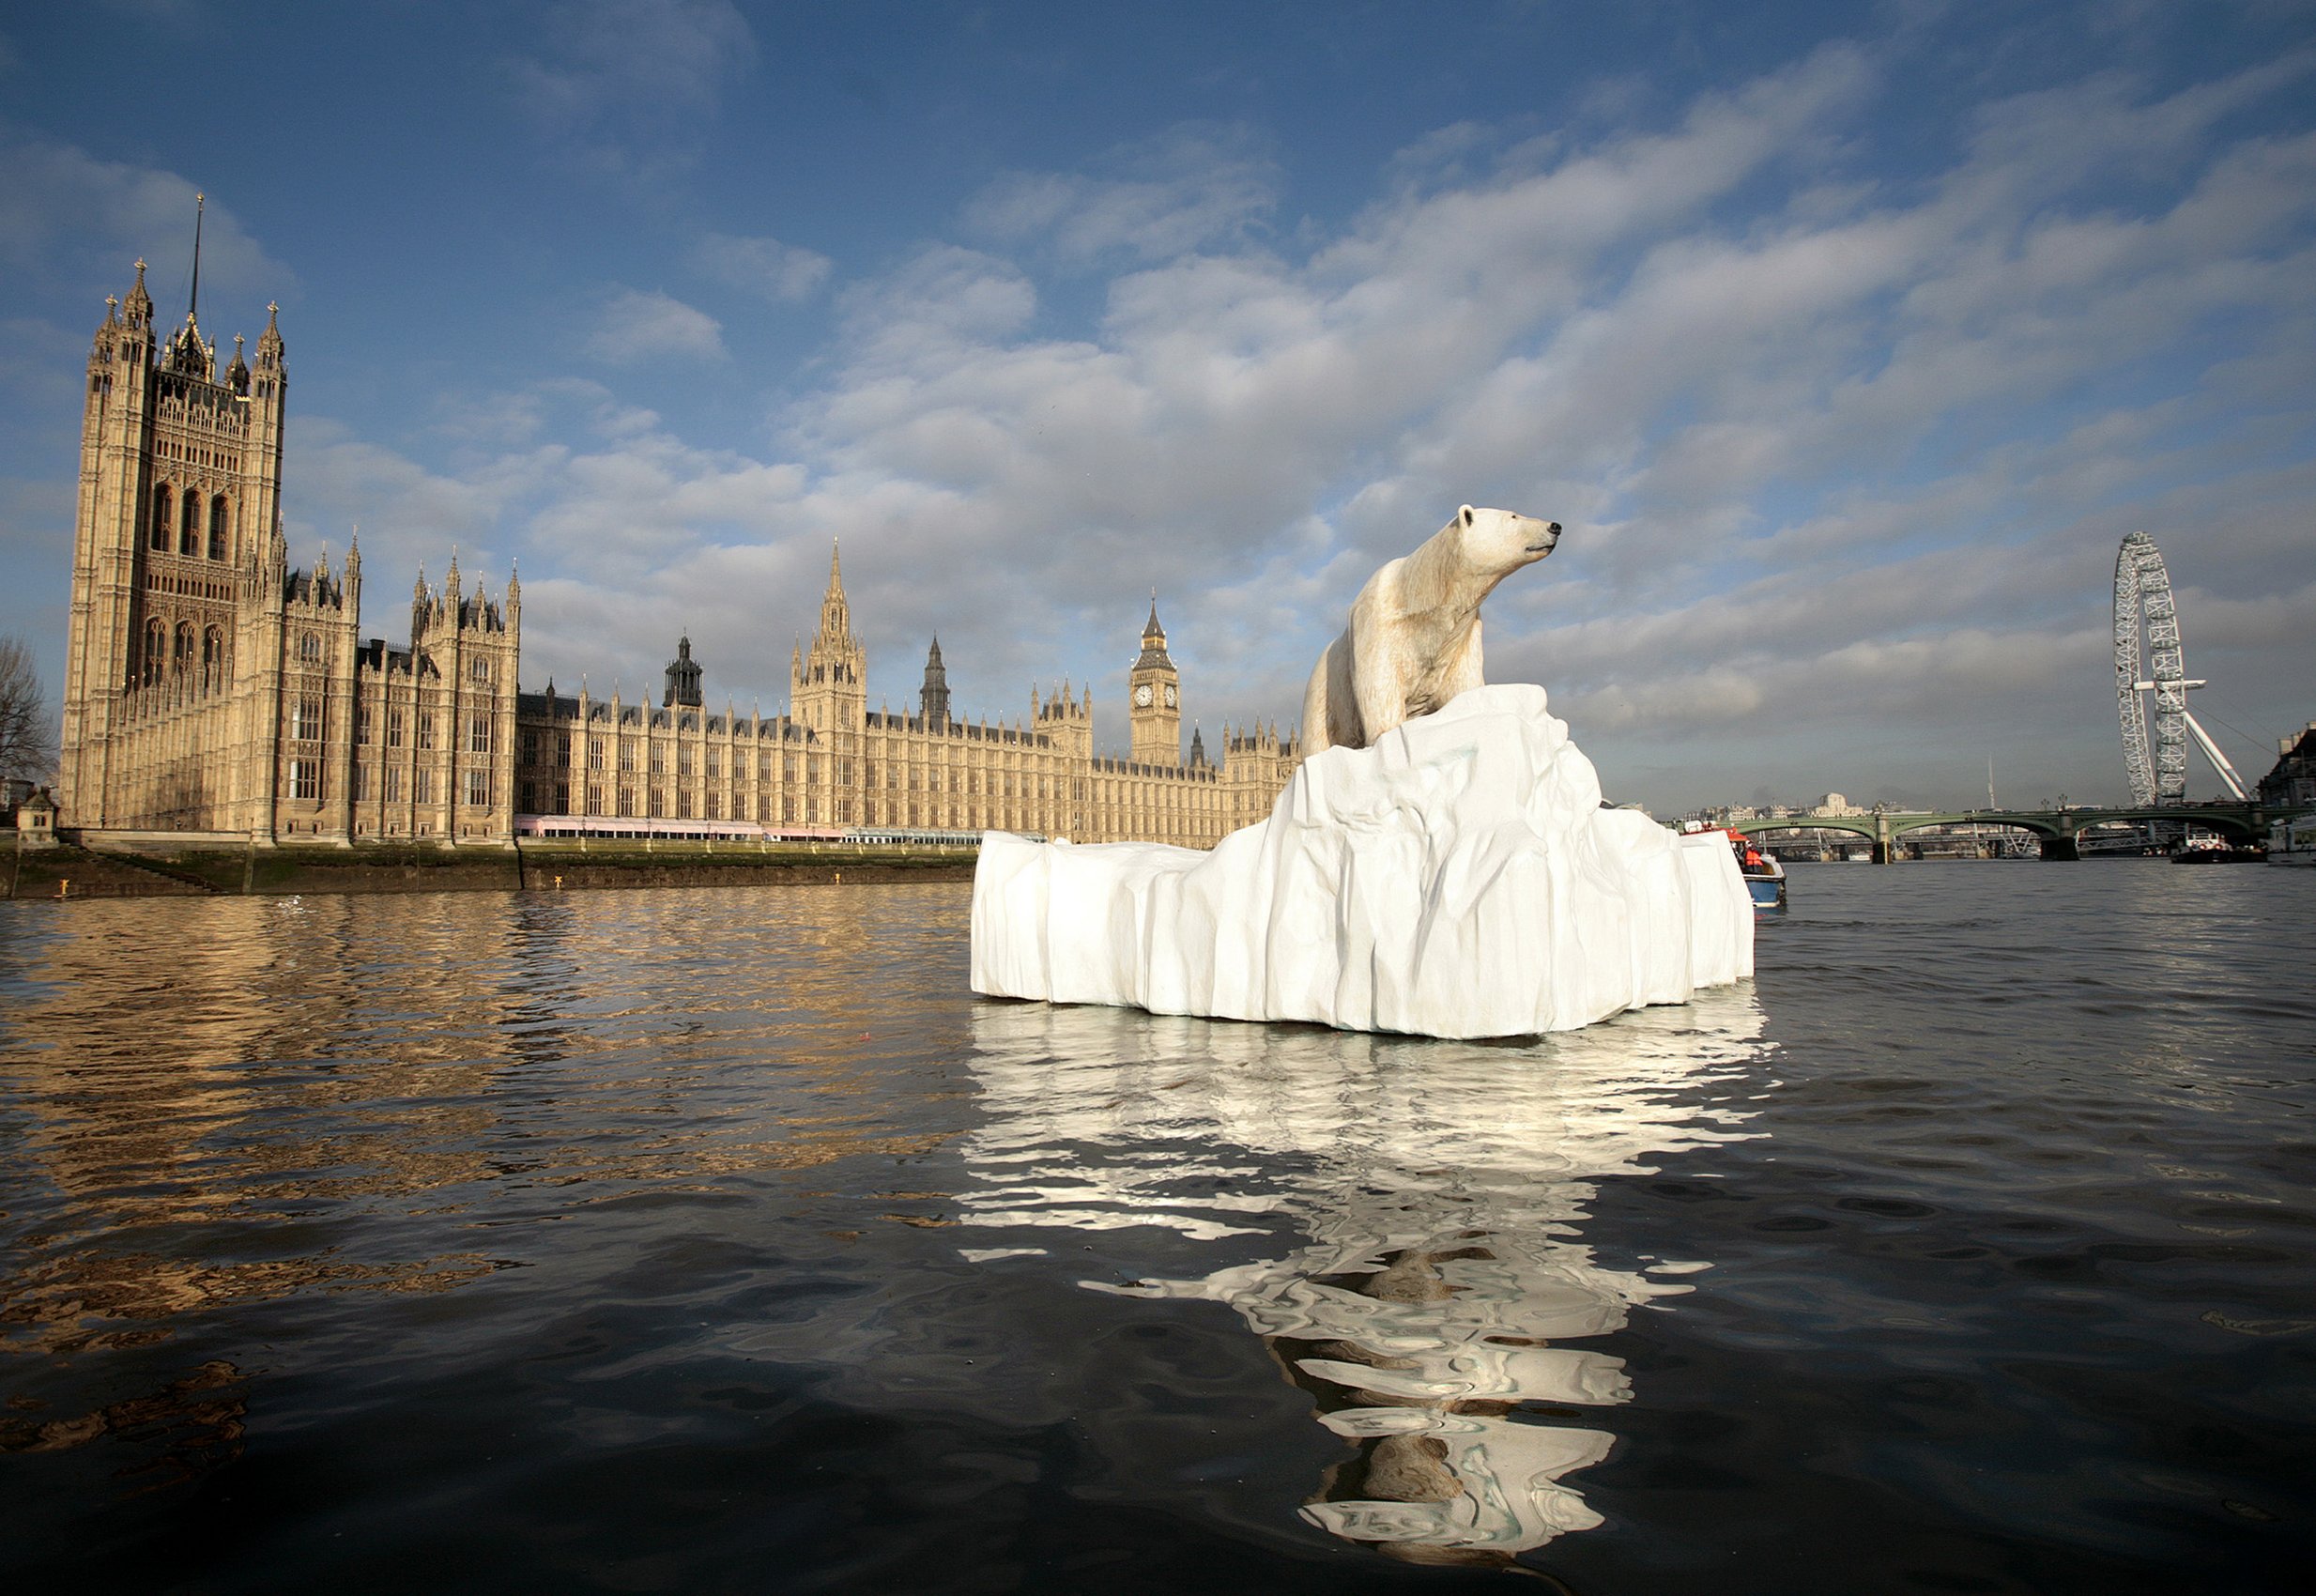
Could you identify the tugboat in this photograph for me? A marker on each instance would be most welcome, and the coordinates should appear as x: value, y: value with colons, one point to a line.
x: 2209, y: 849
x: 1765, y: 876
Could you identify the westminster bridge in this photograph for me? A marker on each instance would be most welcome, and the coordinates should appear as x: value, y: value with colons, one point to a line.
x: 2058, y: 832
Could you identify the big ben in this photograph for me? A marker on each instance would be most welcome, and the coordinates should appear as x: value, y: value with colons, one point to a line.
x: 1156, y: 692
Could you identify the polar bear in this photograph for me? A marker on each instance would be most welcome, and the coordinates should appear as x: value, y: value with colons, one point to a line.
x: 1413, y: 642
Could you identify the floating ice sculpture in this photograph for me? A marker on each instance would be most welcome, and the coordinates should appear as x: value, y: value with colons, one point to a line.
x: 1456, y: 878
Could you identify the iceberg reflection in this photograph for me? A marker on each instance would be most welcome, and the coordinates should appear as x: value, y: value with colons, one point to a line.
x: 1437, y: 1187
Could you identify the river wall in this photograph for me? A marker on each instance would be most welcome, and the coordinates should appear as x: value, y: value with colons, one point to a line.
x: 156, y: 870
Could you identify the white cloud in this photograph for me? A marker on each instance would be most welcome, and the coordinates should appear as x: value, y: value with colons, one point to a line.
x: 636, y: 326
x: 1193, y: 188
x: 68, y: 215
x: 1843, y: 460
x: 783, y: 273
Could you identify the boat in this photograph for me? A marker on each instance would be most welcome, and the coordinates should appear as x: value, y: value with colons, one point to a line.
x: 2292, y: 841
x: 2214, y: 850
x: 1765, y: 876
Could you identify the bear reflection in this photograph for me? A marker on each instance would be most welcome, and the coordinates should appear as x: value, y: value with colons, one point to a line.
x: 1438, y: 1185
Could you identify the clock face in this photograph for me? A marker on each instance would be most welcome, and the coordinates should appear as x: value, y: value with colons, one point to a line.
x: 1170, y: 698
x: 1141, y: 695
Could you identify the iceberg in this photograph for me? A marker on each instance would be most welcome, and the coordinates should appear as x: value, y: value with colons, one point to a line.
x: 1458, y: 878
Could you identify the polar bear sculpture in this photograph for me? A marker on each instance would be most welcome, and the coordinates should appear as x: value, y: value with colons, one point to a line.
x: 1413, y: 642
x: 1458, y: 879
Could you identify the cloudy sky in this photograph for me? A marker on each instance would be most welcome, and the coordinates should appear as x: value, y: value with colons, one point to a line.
x: 1846, y: 341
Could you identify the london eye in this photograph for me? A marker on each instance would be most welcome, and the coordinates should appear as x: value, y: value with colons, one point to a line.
x: 2143, y: 602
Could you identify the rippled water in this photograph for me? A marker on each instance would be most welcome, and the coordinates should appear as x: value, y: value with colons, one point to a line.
x: 721, y: 1241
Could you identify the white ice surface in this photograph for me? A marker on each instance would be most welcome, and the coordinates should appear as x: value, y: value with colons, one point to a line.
x: 1457, y: 878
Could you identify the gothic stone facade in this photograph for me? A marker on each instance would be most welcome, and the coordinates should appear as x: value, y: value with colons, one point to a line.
x: 212, y: 689
x: 832, y: 764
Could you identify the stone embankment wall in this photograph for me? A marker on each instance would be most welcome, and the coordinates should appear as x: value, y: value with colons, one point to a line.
x: 64, y: 871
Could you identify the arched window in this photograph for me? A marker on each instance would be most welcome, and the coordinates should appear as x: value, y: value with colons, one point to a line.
x: 221, y: 528
x: 309, y: 646
x: 155, y: 648
x: 189, y: 523
x: 183, y: 659
x: 213, y: 656
x: 159, y: 535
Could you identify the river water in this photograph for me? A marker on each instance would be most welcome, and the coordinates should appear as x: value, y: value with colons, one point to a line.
x: 721, y: 1241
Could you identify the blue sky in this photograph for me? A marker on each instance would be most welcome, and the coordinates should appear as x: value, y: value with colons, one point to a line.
x: 1846, y: 341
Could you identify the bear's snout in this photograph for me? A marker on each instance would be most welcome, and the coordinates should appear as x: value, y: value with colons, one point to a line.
x: 1551, y: 535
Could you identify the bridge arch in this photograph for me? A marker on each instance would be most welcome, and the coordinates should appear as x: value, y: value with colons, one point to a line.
x: 2058, y: 831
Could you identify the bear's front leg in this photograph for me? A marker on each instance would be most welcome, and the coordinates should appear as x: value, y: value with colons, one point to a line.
x: 1379, y: 685
x: 1320, y: 698
x: 1464, y: 672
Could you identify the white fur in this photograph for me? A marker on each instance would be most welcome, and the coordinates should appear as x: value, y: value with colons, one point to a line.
x: 1413, y: 642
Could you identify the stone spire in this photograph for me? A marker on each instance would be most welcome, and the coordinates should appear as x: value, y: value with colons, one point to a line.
x: 269, y: 340
x: 836, y: 657
x: 830, y: 682
x: 933, y: 700
x: 835, y: 613
x: 1154, y: 656
x: 139, y: 306
x: 683, y: 673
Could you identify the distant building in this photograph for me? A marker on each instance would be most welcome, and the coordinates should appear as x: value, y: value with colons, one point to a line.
x: 834, y: 763
x: 1835, y: 807
x: 210, y: 688
x: 2294, y: 779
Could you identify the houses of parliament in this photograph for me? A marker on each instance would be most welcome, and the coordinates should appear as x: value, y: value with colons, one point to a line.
x: 212, y: 690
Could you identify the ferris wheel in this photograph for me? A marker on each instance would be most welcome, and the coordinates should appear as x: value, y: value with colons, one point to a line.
x: 2143, y: 596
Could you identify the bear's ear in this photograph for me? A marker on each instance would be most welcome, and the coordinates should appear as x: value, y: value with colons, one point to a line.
x: 1465, y: 514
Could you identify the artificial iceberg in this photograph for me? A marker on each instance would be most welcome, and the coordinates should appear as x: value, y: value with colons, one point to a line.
x: 1458, y: 878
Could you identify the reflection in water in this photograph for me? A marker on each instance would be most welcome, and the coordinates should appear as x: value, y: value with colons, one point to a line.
x: 198, y: 1420
x: 1434, y: 1188
x: 213, y: 1104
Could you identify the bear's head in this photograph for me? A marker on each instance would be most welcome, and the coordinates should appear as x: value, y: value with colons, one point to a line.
x: 1496, y: 541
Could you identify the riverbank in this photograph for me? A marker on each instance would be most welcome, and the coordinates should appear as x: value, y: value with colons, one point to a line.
x: 66, y: 871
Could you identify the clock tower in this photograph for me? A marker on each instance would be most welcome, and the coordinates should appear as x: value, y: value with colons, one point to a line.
x: 1154, y: 700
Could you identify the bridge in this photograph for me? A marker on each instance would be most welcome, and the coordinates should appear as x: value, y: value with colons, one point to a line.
x: 2057, y: 831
